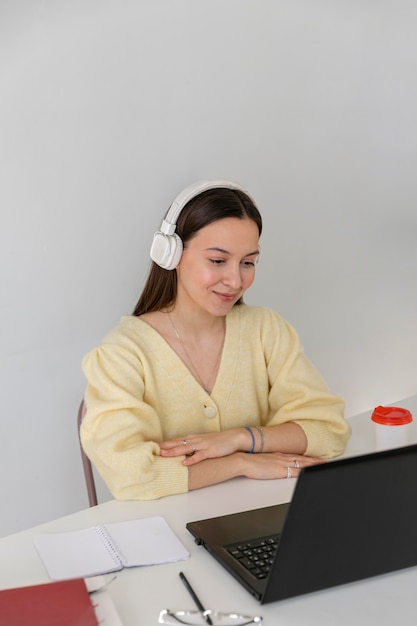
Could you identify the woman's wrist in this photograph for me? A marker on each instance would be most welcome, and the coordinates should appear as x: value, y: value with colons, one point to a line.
x: 253, y: 440
x: 241, y: 463
x: 246, y: 441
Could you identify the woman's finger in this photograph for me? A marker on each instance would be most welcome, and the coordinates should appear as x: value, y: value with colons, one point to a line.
x: 176, y: 447
x: 298, y: 462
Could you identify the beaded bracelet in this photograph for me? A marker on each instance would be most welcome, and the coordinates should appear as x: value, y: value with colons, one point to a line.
x: 249, y: 429
x: 261, y: 432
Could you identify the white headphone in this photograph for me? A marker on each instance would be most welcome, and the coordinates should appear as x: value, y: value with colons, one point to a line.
x: 167, y: 247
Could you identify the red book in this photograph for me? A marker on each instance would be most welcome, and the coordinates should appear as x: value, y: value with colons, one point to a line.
x: 63, y: 603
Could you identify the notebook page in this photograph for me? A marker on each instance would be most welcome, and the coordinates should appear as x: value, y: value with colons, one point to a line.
x: 147, y: 541
x: 75, y: 554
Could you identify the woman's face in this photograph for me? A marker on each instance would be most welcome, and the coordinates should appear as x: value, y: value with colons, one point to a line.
x: 218, y: 265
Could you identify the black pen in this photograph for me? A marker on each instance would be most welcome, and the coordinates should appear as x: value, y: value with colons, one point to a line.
x: 194, y: 596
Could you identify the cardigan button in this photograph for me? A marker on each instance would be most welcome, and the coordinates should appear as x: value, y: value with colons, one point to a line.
x: 210, y: 411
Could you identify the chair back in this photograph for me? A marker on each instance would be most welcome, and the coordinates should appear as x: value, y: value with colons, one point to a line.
x: 87, y: 467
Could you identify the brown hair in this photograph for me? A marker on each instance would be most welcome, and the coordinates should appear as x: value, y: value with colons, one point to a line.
x: 160, y: 290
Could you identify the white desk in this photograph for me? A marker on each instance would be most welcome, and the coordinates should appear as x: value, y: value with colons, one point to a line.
x: 140, y: 593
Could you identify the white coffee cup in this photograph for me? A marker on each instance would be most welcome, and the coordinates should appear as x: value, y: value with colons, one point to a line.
x: 392, y: 426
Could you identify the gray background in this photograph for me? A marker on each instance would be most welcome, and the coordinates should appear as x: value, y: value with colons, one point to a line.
x: 108, y: 108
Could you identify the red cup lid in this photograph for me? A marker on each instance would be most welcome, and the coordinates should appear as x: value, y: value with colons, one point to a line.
x: 391, y: 415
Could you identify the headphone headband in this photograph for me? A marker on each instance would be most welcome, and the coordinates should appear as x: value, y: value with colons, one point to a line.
x: 167, y: 247
x: 170, y: 221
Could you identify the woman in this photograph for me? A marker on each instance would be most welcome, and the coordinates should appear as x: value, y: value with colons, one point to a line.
x: 196, y: 387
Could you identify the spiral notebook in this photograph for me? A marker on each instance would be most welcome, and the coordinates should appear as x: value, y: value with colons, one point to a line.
x: 109, y: 548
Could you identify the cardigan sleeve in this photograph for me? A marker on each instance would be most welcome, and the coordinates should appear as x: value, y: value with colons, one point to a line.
x: 299, y: 394
x: 120, y: 431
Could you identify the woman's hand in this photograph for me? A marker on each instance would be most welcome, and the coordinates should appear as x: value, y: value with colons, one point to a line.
x: 197, y: 448
x: 288, y: 438
x: 207, y: 446
x: 276, y: 465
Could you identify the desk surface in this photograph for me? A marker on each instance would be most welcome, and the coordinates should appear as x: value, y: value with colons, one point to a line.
x: 140, y: 593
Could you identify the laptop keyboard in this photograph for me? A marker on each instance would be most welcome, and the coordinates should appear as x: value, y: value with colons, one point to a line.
x: 256, y: 555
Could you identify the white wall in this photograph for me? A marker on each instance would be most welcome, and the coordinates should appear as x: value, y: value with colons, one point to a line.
x: 109, y: 107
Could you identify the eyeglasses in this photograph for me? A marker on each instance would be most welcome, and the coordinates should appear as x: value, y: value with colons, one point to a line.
x: 197, y: 618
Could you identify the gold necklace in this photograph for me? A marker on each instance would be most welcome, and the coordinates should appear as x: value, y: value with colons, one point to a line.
x: 206, y: 387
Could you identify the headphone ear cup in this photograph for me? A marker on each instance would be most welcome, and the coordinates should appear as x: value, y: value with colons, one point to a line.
x: 166, y: 250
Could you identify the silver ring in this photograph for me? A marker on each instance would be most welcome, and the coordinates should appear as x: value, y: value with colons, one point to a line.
x: 187, y: 443
x: 192, y: 451
x: 296, y: 463
x: 289, y: 472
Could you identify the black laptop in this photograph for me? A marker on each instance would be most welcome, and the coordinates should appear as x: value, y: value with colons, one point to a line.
x: 348, y: 520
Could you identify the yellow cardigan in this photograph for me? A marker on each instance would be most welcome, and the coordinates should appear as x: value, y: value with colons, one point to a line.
x: 139, y: 393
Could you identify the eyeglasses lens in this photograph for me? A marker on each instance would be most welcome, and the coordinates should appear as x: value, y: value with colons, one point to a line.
x: 197, y: 618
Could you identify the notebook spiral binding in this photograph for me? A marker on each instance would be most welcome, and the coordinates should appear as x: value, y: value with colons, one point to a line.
x: 105, y: 539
